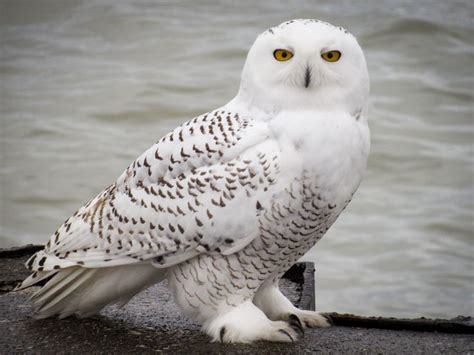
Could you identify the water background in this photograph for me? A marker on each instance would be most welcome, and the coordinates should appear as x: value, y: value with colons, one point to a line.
x: 86, y: 86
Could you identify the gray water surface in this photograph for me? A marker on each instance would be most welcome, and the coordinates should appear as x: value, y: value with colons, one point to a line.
x: 86, y: 86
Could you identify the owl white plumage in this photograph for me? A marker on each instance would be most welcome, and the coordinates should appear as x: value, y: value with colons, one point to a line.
x: 223, y: 205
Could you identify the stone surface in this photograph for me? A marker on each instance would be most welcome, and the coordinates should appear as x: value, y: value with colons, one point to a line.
x: 151, y: 323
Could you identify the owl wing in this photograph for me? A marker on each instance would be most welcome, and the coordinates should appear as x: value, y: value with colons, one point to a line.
x: 200, y: 189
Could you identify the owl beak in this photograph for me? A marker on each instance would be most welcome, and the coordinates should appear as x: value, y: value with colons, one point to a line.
x: 307, y: 77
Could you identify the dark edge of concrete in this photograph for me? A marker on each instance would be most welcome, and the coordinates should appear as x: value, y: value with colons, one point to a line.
x: 308, y: 296
x: 18, y: 252
x: 302, y: 274
x: 458, y: 325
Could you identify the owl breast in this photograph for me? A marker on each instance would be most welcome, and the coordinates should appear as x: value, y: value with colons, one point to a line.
x: 321, y: 163
x: 313, y: 174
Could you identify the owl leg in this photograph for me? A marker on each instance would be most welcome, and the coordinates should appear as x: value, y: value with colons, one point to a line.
x: 277, y: 307
x: 246, y: 323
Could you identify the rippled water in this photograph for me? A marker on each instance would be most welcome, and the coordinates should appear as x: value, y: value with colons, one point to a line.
x: 87, y: 86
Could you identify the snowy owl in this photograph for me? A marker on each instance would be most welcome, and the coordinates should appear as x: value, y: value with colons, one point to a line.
x: 224, y: 204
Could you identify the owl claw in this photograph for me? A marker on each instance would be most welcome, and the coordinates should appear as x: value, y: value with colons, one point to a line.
x: 283, y: 331
x: 328, y: 318
x: 295, y: 323
x: 221, y: 334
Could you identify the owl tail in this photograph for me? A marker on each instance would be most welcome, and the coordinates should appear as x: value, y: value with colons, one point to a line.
x: 85, y: 291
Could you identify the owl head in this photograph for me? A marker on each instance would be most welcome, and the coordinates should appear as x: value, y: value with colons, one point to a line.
x: 305, y: 65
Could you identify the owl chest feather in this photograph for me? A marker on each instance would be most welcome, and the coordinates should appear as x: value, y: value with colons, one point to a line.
x: 322, y: 158
x: 328, y: 148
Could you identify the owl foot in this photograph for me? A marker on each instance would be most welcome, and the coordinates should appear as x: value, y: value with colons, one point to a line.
x: 278, y: 331
x: 309, y: 319
x: 246, y: 323
x: 277, y: 307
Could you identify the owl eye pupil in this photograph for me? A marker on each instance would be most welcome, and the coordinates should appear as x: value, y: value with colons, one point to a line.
x: 284, y: 54
x: 329, y: 55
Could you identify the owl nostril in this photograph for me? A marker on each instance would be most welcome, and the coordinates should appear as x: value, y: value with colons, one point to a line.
x: 307, y: 77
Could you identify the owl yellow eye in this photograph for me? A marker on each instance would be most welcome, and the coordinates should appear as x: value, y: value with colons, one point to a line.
x: 331, y: 56
x: 282, y: 55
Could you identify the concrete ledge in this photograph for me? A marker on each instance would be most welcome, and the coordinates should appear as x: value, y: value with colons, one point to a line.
x: 151, y: 323
x: 458, y: 325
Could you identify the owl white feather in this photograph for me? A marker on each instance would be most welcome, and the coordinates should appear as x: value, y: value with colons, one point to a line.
x: 223, y: 205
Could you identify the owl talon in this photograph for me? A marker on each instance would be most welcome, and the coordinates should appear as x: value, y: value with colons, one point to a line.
x: 283, y: 331
x: 221, y: 334
x: 295, y: 323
